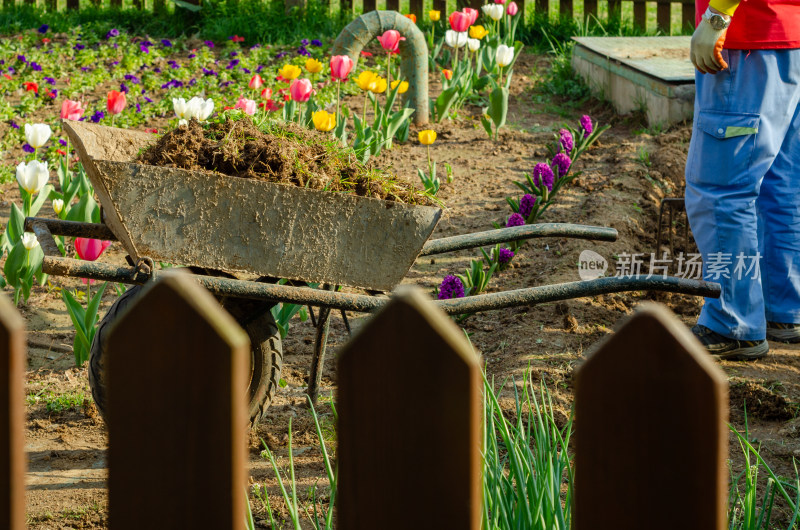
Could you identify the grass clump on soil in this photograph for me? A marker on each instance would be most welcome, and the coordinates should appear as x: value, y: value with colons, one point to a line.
x: 282, y: 153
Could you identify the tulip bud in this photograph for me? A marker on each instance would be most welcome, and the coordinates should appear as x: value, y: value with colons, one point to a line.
x: 427, y: 137
x: 504, y: 55
x: 434, y: 15
x: 300, y: 90
x: 58, y: 206
x: 512, y: 9
x: 494, y: 11
x: 29, y: 241
x: 255, y: 82
x: 473, y: 44
x: 116, y: 102
x: 32, y: 176
x: 37, y: 134
x: 323, y: 121
x: 341, y: 66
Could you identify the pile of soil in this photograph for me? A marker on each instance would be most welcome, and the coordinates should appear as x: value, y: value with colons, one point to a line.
x: 285, y: 153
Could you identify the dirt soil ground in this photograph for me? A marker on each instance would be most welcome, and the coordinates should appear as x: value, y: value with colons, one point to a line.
x: 624, y: 177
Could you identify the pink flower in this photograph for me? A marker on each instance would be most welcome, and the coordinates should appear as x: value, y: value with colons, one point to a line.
x: 266, y: 93
x: 459, y: 21
x: 471, y: 13
x: 341, y: 65
x: 255, y: 82
x: 501, y: 2
x: 90, y: 249
x: 512, y: 9
x: 390, y: 40
x: 300, y: 89
x: 71, y: 110
x: 248, y: 106
x: 116, y: 102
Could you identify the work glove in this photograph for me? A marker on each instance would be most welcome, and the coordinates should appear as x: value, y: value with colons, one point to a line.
x: 706, y: 48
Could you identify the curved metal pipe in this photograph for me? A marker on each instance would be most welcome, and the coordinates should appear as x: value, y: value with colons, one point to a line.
x: 413, y: 53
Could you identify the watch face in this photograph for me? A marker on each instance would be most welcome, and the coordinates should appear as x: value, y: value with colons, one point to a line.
x: 717, y: 22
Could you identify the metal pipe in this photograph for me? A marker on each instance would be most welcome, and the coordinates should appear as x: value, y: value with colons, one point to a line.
x: 515, y: 233
x: 413, y: 53
x: 72, y: 228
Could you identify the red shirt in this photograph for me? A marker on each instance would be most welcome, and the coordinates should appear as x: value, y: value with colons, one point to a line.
x: 761, y: 24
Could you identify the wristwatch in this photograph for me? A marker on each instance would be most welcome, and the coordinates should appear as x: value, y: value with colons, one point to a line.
x: 717, y: 21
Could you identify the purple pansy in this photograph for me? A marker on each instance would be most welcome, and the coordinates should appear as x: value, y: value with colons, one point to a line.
x: 166, y: 43
x: 13, y: 124
x: 123, y: 87
x: 27, y: 148
x: 78, y: 47
x: 43, y: 28
x: 132, y: 78
x: 62, y: 142
x: 316, y: 42
x: 112, y: 33
x: 208, y: 43
x: 49, y: 80
x: 97, y: 116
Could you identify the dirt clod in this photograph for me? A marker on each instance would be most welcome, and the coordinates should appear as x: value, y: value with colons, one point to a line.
x: 759, y: 402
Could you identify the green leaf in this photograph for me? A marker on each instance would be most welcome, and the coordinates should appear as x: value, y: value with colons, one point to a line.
x: 16, y: 223
x: 186, y: 5
x: 398, y: 119
x: 487, y: 125
x: 15, y: 263
x: 90, y: 319
x: 445, y: 101
x: 498, y: 106
x: 44, y: 194
x: 85, y: 211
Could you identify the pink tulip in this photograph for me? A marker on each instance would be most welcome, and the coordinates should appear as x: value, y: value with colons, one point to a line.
x: 255, y: 82
x: 248, y: 106
x: 459, y: 21
x: 341, y: 65
x: 512, y: 9
x: 90, y: 249
x: 472, y: 14
x: 116, y: 102
x: 300, y: 89
x: 501, y: 2
x: 71, y: 110
x: 390, y: 40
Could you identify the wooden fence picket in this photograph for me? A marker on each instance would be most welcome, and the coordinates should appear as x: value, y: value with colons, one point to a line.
x: 409, y: 412
x: 12, y: 417
x: 176, y: 373
x: 651, y: 400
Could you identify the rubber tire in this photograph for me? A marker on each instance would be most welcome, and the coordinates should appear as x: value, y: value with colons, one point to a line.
x: 266, y: 354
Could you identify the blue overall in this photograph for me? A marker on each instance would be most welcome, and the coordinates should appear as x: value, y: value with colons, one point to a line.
x: 743, y: 190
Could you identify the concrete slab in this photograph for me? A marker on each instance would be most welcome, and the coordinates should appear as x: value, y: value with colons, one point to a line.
x: 652, y: 74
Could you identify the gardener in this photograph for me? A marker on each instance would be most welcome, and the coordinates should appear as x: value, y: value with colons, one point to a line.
x: 743, y: 173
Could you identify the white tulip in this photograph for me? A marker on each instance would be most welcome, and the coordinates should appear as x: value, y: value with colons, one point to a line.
x: 200, y: 109
x: 29, y: 241
x: 494, y: 11
x: 37, y: 134
x: 455, y: 39
x: 473, y: 44
x: 32, y: 176
x: 182, y: 122
x: 504, y: 55
x: 180, y: 107
x: 58, y: 205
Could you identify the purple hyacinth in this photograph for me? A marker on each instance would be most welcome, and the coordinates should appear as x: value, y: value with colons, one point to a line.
x: 562, y: 162
x: 567, y: 142
x: 586, y: 123
x: 515, y: 219
x: 543, y: 174
x: 451, y: 287
x: 505, y: 255
x: 27, y: 148
x: 112, y: 33
x: 526, y: 205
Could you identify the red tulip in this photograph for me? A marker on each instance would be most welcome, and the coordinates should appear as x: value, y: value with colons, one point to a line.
x: 90, y: 249
x: 71, y: 110
x: 341, y: 65
x: 266, y: 93
x: 448, y: 74
x: 116, y: 102
x: 390, y: 40
x: 472, y: 14
x: 255, y: 82
x: 365, y: 53
x: 459, y: 21
x: 301, y: 89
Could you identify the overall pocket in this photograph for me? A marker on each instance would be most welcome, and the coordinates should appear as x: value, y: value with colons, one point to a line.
x: 721, y: 150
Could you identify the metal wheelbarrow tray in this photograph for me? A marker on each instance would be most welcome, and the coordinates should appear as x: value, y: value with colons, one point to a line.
x: 222, y: 223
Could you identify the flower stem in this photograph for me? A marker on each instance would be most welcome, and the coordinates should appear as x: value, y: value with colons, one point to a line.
x: 338, y: 89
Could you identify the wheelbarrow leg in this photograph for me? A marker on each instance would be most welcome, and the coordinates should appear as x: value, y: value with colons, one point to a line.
x: 315, y: 377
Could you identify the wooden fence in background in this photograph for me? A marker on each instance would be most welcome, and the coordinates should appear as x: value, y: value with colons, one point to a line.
x: 565, y: 8
x: 650, y: 412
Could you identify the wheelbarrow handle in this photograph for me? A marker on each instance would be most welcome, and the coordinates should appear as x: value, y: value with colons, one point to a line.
x: 516, y: 233
x: 58, y: 227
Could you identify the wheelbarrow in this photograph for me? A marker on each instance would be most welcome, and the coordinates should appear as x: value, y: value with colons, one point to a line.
x: 238, y: 237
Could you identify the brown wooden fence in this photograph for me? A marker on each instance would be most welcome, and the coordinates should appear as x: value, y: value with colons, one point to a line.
x: 667, y: 11
x: 650, y: 416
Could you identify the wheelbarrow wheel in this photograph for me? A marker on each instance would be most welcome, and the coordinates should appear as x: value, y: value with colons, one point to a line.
x: 266, y: 354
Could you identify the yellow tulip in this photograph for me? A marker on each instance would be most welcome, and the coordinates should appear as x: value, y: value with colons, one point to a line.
x: 403, y: 86
x: 379, y: 86
x: 289, y: 72
x: 477, y: 32
x: 427, y: 137
x: 313, y: 66
x: 323, y: 121
x: 364, y: 79
x: 434, y: 15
